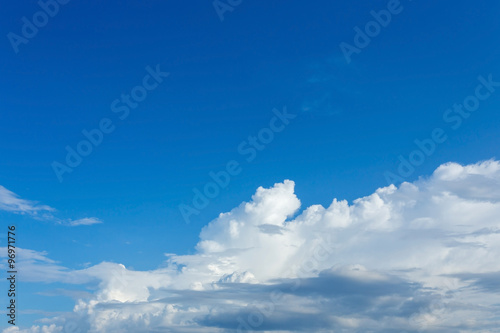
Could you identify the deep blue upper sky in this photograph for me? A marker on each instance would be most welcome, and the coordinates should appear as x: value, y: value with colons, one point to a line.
x: 353, y: 120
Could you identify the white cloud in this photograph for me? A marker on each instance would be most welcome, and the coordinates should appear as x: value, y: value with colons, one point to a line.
x: 35, y: 329
x: 84, y: 221
x: 421, y: 257
x: 11, y: 202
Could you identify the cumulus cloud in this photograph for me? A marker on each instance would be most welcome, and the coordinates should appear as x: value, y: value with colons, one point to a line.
x: 421, y: 257
x: 11, y: 202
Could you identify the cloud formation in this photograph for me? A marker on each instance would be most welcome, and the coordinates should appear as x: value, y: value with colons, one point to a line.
x: 84, y: 221
x: 11, y: 202
x: 422, y: 257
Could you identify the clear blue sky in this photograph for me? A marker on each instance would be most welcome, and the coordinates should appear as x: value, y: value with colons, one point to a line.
x: 352, y: 120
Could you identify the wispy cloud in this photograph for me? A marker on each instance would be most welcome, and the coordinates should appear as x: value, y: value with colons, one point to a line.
x: 84, y: 221
x: 11, y: 202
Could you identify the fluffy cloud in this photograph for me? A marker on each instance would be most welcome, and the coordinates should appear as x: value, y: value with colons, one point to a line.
x: 419, y: 258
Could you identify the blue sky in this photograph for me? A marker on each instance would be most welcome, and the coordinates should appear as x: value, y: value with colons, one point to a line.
x: 352, y: 120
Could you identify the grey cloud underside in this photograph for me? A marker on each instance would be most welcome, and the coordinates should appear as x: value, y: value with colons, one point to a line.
x: 387, y: 305
x: 325, y: 297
